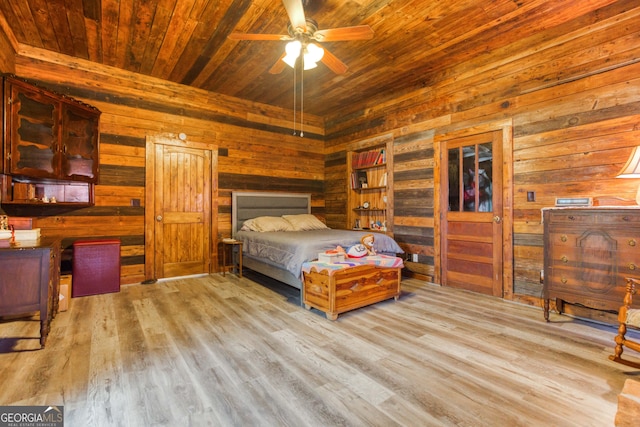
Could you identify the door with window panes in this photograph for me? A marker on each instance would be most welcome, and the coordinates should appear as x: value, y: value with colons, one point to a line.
x: 471, y: 239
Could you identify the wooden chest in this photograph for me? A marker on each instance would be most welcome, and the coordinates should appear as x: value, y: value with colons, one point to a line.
x: 588, y: 254
x: 349, y: 288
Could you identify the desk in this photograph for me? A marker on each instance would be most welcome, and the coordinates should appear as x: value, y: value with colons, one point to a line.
x: 233, y: 247
x: 29, y: 281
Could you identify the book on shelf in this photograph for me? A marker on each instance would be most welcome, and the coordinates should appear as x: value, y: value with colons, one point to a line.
x: 383, y: 180
x: 368, y: 158
x: 371, y: 159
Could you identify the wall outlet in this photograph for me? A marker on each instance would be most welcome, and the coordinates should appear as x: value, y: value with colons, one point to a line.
x: 414, y: 257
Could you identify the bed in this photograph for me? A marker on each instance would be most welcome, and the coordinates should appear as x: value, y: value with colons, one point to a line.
x: 280, y: 254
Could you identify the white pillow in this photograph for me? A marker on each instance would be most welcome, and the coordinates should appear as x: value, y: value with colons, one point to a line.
x: 304, y: 222
x: 267, y: 223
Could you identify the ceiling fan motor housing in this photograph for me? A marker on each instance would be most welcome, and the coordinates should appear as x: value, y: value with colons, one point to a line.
x: 305, y: 33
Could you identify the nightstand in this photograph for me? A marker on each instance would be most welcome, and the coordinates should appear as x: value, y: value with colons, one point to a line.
x: 231, y: 251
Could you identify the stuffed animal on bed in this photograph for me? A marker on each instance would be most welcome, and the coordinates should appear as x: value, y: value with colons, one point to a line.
x: 356, y: 251
x: 359, y: 250
x: 367, y: 241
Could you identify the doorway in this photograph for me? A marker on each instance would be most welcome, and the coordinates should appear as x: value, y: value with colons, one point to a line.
x: 474, y: 228
x: 180, y: 214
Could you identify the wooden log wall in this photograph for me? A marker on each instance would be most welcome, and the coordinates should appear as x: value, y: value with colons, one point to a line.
x: 7, y: 54
x: 572, y: 92
x: 256, y: 148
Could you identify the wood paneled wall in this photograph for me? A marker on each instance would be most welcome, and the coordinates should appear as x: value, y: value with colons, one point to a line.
x: 7, y: 52
x: 573, y: 94
x: 257, y: 150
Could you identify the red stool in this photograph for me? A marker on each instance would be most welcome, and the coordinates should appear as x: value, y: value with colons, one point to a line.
x: 95, y: 267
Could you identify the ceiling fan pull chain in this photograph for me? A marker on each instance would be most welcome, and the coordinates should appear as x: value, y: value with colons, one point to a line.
x: 301, y: 99
x: 294, y: 101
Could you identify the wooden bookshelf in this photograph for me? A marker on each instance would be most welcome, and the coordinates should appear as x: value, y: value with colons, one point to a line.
x: 370, y: 195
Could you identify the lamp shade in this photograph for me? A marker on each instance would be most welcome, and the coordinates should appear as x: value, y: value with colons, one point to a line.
x: 293, y: 52
x: 632, y: 168
x: 313, y: 52
x: 308, y: 65
x: 293, y: 48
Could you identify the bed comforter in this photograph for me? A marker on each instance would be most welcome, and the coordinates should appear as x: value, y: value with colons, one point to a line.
x: 289, y: 249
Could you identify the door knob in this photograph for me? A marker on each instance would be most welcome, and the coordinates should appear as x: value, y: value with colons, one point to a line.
x: 497, y: 219
x: 159, y: 218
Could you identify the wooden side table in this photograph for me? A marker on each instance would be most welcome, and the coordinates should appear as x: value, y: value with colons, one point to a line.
x: 231, y: 246
x: 30, y: 281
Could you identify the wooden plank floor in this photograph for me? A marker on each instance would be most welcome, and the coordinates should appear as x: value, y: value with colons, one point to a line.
x: 229, y: 352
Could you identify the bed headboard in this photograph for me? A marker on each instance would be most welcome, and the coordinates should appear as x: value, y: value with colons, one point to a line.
x: 246, y: 205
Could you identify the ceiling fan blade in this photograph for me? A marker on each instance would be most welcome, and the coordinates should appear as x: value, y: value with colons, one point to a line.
x: 243, y: 36
x: 333, y: 63
x: 359, y: 32
x: 295, y: 10
x: 279, y: 65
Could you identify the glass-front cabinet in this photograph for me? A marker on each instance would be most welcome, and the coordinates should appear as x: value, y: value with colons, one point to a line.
x: 49, y: 136
x: 50, y: 147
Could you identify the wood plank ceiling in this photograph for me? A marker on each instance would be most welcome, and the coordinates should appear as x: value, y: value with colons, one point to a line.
x: 185, y: 41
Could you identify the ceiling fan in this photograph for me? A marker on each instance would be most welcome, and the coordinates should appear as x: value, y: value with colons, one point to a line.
x: 303, y: 38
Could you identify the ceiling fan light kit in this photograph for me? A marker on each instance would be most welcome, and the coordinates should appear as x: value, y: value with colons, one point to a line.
x: 311, y: 54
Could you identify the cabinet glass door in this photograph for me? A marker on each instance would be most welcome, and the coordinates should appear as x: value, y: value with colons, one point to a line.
x: 34, y: 133
x: 79, y: 144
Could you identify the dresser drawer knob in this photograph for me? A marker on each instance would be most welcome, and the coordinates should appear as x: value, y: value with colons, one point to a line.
x: 563, y: 238
x: 571, y: 217
x: 632, y: 266
x: 564, y: 281
x: 564, y: 259
x: 626, y: 218
x: 632, y: 242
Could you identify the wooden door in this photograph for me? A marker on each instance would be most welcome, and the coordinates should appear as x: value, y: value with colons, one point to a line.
x: 471, y: 201
x: 179, y: 218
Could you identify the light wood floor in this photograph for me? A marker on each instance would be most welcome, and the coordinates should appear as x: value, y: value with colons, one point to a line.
x: 229, y: 352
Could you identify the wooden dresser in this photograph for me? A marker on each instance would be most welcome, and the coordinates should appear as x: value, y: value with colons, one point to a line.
x: 29, y: 281
x: 588, y: 252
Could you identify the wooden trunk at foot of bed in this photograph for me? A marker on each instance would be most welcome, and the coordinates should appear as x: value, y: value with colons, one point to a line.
x: 350, y: 288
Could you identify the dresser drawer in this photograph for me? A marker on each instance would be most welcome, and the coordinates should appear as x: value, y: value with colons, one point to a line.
x: 593, y: 243
x: 619, y: 218
x: 563, y: 239
x: 570, y: 217
x: 625, y: 262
